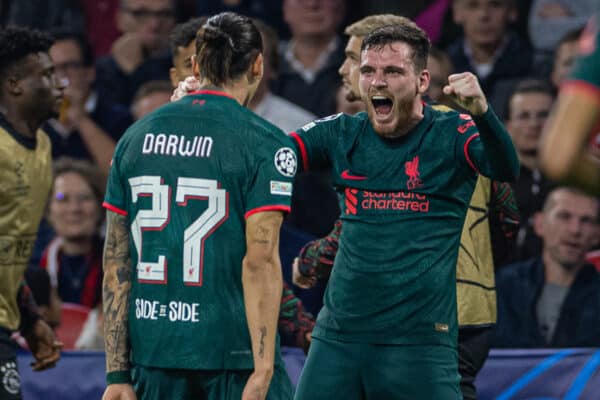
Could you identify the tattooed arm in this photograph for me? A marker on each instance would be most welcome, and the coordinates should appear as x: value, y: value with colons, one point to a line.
x: 262, y: 284
x: 115, y: 295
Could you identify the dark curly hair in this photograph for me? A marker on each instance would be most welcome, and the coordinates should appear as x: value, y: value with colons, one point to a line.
x: 184, y: 34
x: 16, y: 43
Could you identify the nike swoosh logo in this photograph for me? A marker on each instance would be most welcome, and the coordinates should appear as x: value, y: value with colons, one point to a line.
x: 346, y: 175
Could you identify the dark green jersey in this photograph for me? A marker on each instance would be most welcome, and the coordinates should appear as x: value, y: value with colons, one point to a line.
x: 587, y: 65
x: 187, y: 176
x: 403, y: 206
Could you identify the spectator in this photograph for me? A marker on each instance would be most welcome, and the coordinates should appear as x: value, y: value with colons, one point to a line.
x: 101, y: 24
x: 440, y: 67
x: 74, y: 258
x: 550, y: 20
x: 553, y: 300
x: 564, y: 57
x: 141, y: 53
x: 89, y: 124
x: 149, y: 97
x: 489, y: 48
x: 528, y: 108
x: 310, y: 59
x: 277, y: 110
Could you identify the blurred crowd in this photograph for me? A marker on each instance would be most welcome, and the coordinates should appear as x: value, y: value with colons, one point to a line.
x: 122, y: 59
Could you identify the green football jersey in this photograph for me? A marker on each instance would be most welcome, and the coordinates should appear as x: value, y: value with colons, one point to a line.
x: 403, y: 205
x: 587, y: 65
x: 187, y: 176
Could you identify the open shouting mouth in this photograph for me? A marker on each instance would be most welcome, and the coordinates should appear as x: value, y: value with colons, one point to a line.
x: 382, y: 105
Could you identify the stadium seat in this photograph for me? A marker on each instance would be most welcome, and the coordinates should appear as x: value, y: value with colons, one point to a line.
x: 72, y: 318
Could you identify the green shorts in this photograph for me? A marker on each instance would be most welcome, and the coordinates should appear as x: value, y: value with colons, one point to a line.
x: 179, y: 384
x: 359, y: 371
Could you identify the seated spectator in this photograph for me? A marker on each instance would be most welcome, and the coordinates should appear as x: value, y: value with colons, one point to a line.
x: 564, y: 57
x: 553, y: 300
x: 528, y: 108
x: 280, y: 112
x: 89, y: 124
x: 309, y: 61
x: 73, y: 258
x: 550, y: 20
x: 141, y: 53
x: 489, y: 48
x: 149, y: 97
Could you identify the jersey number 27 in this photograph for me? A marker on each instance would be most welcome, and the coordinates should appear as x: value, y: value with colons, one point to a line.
x: 157, y: 218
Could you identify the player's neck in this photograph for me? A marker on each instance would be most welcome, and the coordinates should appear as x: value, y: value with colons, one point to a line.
x: 21, y: 121
x: 237, y: 90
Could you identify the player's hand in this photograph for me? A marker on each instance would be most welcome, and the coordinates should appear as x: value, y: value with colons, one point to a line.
x: 189, y: 84
x: 43, y: 345
x: 257, y: 386
x: 465, y: 90
x: 119, y: 391
x: 300, y: 280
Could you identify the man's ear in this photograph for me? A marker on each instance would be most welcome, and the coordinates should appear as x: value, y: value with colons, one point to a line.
x: 538, y: 224
x: 424, y: 79
x: 13, y: 85
x: 173, y: 77
x: 257, y: 69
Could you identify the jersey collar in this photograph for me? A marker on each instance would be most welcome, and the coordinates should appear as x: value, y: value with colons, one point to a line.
x: 28, y: 142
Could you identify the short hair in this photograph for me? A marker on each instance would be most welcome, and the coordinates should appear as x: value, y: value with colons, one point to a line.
x: 184, y: 34
x: 88, y: 171
x: 442, y: 57
x: 407, y: 32
x: 369, y: 24
x: 87, y: 54
x: 270, y: 43
x: 528, y: 86
x: 16, y: 43
x: 226, y: 46
x: 152, y: 87
x: 549, y: 200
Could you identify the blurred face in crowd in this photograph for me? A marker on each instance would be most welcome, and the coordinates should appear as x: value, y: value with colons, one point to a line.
x: 149, y: 103
x: 527, y: 114
x: 349, y: 71
x: 313, y: 18
x: 182, y: 63
x: 69, y: 64
x: 484, y: 22
x: 563, y: 61
x: 41, y: 90
x: 391, y: 88
x: 151, y: 20
x: 568, y: 226
x: 74, y: 208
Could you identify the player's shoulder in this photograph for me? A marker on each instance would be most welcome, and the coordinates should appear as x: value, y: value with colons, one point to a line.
x: 335, y: 121
x: 448, y: 118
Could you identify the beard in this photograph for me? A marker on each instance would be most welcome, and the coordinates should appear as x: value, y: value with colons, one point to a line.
x: 403, y: 110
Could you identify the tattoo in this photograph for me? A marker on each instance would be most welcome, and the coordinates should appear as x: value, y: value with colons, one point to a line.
x: 263, y: 334
x: 115, y: 292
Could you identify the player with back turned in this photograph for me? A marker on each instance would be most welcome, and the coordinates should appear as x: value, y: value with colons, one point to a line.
x: 195, y: 200
x: 406, y: 173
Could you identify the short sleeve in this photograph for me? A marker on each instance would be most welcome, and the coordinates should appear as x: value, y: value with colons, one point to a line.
x: 115, y: 199
x: 274, y: 170
x: 315, y: 140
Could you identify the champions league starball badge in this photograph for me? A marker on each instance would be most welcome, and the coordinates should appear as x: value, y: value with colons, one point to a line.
x: 285, y: 162
x: 10, y: 377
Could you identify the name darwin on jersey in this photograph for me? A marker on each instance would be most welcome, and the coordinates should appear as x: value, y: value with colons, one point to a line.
x: 177, y: 145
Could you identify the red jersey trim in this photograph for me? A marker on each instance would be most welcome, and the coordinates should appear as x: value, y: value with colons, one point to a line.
x: 213, y: 92
x: 466, y: 150
x: 302, y: 146
x: 286, y: 209
x: 581, y: 87
x: 114, y: 209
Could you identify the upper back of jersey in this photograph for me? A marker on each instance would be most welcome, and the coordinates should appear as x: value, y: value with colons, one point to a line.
x: 186, y: 176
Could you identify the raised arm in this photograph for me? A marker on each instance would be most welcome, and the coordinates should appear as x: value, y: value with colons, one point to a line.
x: 500, y: 161
x: 262, y: 285
x: 115, y: 294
